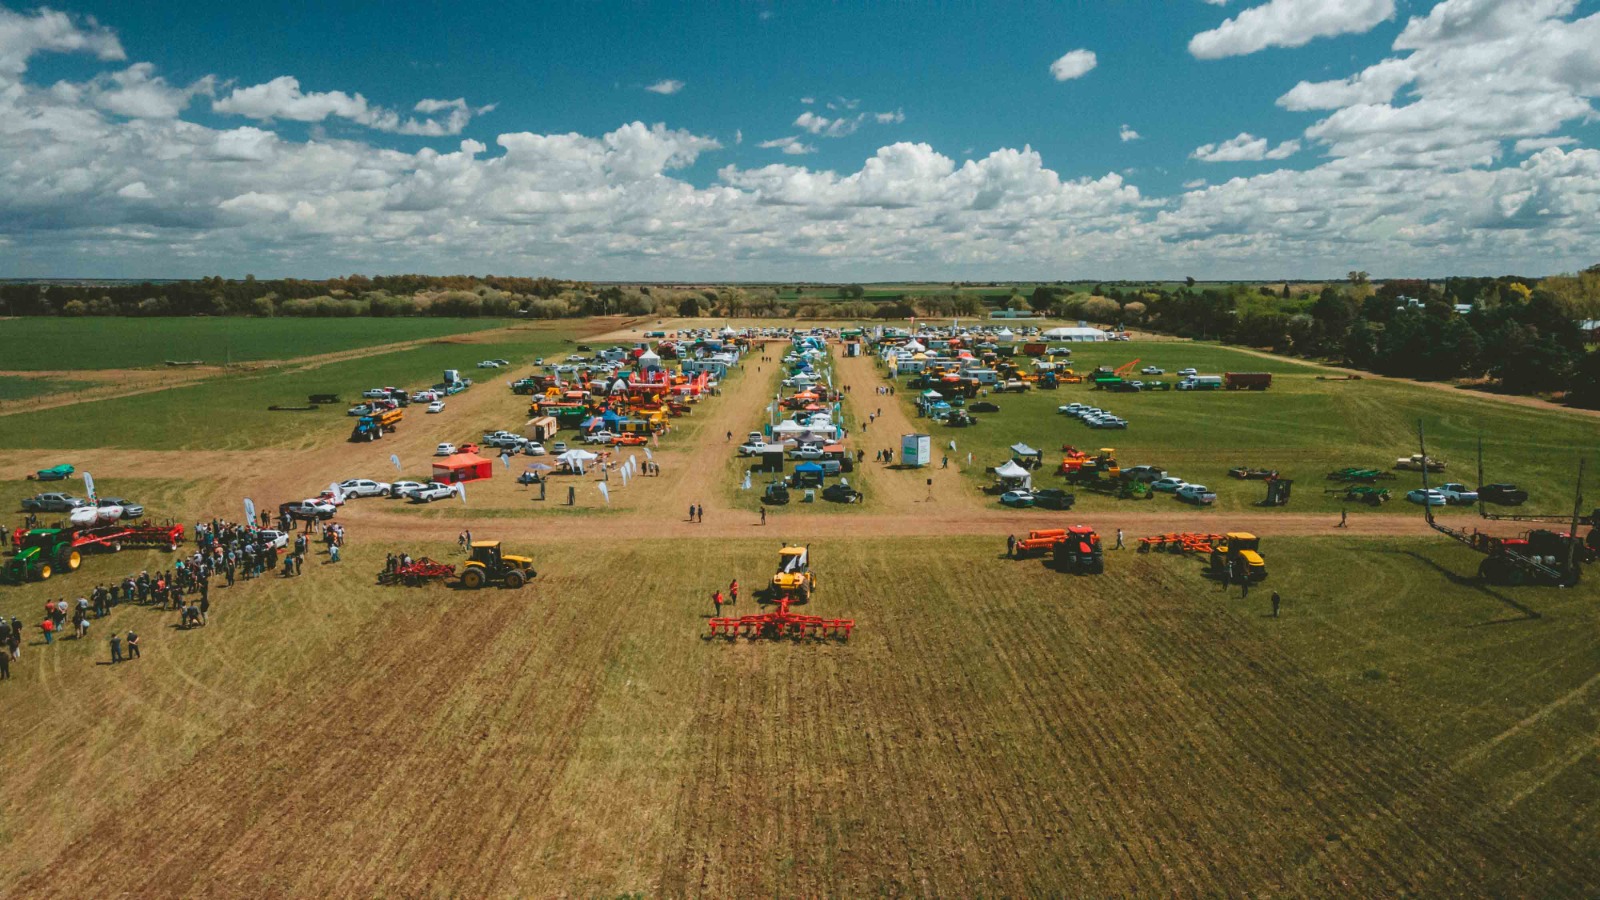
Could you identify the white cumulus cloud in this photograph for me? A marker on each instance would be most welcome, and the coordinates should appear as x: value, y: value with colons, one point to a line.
x: 1289, y: 23
x: 1128, y: 134
x: 1246, y: 147
x: 665, y: 86
x: 1074, y: 64
x: 791, y: 145
x: 282, y: 98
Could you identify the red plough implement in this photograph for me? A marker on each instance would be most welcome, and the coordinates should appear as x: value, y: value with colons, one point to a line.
x: 115, y: 537
x: 418, y: 571
x: 782, y: 624
x: 1179, y: 542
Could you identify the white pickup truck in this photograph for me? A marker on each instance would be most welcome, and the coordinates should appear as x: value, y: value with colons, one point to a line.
x: 432, y: 491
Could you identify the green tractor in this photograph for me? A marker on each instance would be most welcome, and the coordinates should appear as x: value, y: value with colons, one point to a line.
x: 43, y: 552
x: 488, y: 565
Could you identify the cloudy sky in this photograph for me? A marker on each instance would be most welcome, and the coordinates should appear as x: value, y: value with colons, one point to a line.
x: 821, y: 141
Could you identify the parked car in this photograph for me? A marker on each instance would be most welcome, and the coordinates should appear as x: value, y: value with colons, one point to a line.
x: 1152, y: 370
x: 436, y: 406
x: 404, y: 488
x: 383, y: 393
x: 1146, y: 474
x: 427, y: 396
x: 363, y: 409
x: 308, y: 509
x: 433, y: 490
x: 1167, y: 485
x: 1503, y: 494
x: 1189, y: 372
x: 364, y: 487
x: 489, y: 364
x: 532, y: 448
x: 445, y: 449
x: 630, y: 440
x: 598, y: 437
x: 1053, y: 498
x: 756, y: 448
x: 1194, y: 493
x: 1070, y: 409
x: 274, y: 538
x: 1426, y: 496
x: 1458, y: 494
x: 130, y: 510
x: 53, y: 503
x: 558, y: 447
x: 1019, y: 499
x: 806, y: 451
x: 331, y: 498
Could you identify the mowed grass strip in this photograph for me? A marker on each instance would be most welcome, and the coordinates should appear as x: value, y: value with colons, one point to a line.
x: 130, y: 343
x: 993, y: 727
x: 1302, y: 427
x: 230, y: 412
x: 19, y: 387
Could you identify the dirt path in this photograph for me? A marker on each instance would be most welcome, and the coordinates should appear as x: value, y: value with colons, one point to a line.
x: 898, y: 491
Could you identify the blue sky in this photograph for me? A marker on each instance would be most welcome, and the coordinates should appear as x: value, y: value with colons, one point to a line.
x: 1272, y: 139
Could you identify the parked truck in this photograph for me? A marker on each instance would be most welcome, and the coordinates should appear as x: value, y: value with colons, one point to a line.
x: 1200, y: 383
x: 1248, y: 381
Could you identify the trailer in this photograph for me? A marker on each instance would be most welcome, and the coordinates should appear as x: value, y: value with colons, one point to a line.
x: 1247, y: 381
x: 45, y: 552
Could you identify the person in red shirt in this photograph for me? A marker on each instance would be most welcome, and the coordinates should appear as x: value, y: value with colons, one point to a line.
x: 49, y: 628
x: 716, y: 599
x: 733, y: 591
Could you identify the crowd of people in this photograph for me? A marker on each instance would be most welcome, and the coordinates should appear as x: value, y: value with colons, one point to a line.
x: 223, y: 551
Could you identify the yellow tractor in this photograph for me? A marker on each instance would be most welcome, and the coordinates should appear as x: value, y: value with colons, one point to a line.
x: 1239, y: 554
x: 488, y: 565
x: 794, y: 576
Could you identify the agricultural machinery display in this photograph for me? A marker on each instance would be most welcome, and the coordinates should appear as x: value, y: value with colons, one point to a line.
x: 1237, y: 553
x: 43, y: 553
x: 487, y: 565
x: 794, y: 578
x: 1359, y: 475
x: 418, y: 572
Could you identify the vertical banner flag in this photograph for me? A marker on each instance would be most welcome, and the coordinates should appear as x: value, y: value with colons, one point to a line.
x: 746, y: 485
x: 395, y: 458
x: 605, y: 492
x: 952, y: 446
x: 88, y: 485
x: 249, y: 510
x: 648, y: 454
x: 335, y: 491
x: 505, y: 460
x: 461, y: 488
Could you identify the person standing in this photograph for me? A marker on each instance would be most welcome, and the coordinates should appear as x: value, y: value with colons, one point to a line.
x: 1119, y: 540
x: 133, y: 645
x: 763, y: 515
x: 1011, y: 545
x: 1276, y: 600
x: 691, y: 512
x: 5, y: 667
x: 333, y: 553
x: 48, y: 626
x: 1244, y: 587
x: 116, y: 648
x: 733, y: 592
x: 716, y: 602
x: 15, y: 646
x: 1344, y: 516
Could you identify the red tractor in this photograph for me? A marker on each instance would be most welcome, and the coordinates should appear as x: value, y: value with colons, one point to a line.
x: 1079, y: 552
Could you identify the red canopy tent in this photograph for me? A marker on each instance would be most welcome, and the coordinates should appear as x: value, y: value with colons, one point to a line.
x: 462, y: 467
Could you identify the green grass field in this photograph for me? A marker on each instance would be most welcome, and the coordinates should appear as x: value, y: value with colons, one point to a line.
x: 997, y: 729
x: 230, y: 412
x: 1302, y: 427
x: 120, y: 343
x: 18, y: 387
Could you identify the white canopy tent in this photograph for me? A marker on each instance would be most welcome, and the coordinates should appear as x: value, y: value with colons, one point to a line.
x: 1013, y: 475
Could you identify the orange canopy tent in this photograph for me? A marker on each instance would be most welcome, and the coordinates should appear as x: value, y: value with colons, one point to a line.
x: 462, y: 467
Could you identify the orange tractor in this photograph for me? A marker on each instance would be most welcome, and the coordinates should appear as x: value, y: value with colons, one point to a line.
x: 1075, y: 548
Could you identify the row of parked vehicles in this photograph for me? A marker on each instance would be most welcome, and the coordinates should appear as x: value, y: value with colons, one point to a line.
x: 1092, y: 416
x: 114, y: 508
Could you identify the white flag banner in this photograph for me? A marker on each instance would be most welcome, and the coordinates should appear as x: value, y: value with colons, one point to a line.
x: 746, y: 485
x: 505, y: 460
x: 336, y: 491
x: 952, y: 446
x: 648, y: 454
x: 605, y: 492
x: 88, y: 485
x: 249, y: 510
x: 633, y: 460
x: 461, y: 489
x: 624, y: 473
x: 395, y: 458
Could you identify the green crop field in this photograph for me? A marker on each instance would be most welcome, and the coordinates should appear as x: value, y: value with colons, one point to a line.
x: 19, y: 387
x: 999, y: 730
x: 230, y: 412
x: 117, y: 343
x: 1302, y: 427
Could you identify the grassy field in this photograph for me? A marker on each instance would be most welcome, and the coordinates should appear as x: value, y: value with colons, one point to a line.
x: 18, y: 387
x: 230, y: 412
x: 993, y: 728
x: 118, y: 343
x: 1301, y: 426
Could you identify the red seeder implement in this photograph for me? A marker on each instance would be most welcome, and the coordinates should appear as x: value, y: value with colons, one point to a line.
x: 782, y: 624
x: 1180, y: 542
x: 418, y: 571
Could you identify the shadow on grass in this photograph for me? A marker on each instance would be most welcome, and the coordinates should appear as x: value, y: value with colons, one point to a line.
x: 1524, y: 614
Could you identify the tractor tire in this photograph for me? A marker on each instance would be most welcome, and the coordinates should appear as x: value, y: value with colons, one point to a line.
x: 45, y: 572
x: 472, y: 579
x: 515, y: 579
x: 69, y: 560
x: 116, y: 546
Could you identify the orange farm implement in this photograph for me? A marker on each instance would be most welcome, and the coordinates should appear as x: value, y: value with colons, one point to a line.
x: 1180, y: 542
x: 418, y: 571
x: 781, y: 624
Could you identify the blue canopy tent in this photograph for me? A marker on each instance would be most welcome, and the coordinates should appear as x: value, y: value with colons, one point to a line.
x: 808, y: 474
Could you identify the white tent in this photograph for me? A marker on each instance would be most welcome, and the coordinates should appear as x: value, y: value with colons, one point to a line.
x: 1013, y: 472
x: 1075, y: 334
x: 788, y: 426
x: 915, y: 347
x: 1005, y: 334
x: 1023, y: 450
x: 572, y: 456
x: 649, y: 360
